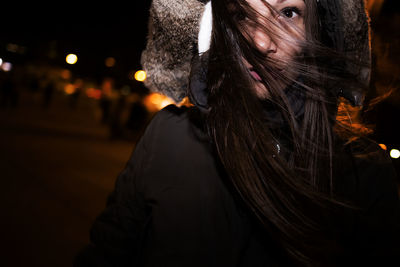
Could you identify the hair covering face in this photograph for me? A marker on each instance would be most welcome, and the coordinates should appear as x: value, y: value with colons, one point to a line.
x: 179, y: 29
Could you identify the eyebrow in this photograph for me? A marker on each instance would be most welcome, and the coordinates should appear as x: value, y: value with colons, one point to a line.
x: 281, y: 1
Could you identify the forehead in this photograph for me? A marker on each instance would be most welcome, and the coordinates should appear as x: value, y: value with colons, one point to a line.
x: 260, y: 3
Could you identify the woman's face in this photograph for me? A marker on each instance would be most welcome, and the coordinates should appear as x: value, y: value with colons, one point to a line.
x: 287, y: 27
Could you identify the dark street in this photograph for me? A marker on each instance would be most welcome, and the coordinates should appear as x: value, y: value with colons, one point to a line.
x: 57, y: 168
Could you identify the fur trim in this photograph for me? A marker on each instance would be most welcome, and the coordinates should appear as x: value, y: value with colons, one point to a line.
x: 356, y: 34
x: 172, y: 38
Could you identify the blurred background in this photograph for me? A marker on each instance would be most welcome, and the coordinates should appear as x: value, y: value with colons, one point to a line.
x: 72, y: 106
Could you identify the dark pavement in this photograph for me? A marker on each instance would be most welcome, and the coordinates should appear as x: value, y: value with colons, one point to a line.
x: 57, y: 167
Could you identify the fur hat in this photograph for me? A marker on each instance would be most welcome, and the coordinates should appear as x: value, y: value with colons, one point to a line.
x: 178, y: 29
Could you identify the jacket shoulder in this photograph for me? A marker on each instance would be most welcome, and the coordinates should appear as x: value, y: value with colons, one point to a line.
x: 167, y: 117
x: 368, y: 150
x: 374, y: 171
x: 163, y: 122
x: 376, y: 191
x: 172, y: 111
x: 173, y: 123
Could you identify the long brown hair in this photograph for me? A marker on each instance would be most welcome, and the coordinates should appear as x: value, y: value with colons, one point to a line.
x: 281, y: 168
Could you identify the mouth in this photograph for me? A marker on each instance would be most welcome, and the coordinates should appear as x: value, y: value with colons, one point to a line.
x: 255, y: 75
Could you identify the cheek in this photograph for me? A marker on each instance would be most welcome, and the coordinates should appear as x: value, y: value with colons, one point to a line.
x: 285, y: 53
x: 261, y: 91
x: 290, y: 44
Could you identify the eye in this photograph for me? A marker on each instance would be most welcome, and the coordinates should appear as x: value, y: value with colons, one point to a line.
x: 290, y: 12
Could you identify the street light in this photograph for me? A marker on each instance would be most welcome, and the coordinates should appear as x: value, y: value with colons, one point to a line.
x: 140, y: 76
x: 71, y: 59
x: 395, y: 153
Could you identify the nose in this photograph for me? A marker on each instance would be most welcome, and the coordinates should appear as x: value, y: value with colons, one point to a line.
x: 264, y: 43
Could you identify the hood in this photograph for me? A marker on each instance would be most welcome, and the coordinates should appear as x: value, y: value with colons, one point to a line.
x: 345, y: 28
x: 179, y: 29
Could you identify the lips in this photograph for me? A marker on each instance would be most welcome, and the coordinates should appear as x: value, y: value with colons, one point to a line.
x: 255, y: 75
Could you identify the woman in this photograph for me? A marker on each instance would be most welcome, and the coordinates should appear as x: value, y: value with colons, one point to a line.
x: 259, y: 171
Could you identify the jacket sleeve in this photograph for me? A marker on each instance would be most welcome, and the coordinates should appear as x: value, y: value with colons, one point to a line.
x: 117, y: 234
x: 378, y: 227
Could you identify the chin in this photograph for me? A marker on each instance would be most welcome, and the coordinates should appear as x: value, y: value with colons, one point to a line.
x: 261, y: 91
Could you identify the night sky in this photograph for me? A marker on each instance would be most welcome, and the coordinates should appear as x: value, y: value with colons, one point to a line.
x: 93, y: 31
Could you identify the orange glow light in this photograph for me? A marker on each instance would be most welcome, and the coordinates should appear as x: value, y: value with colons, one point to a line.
x: 69, y: 89
x: 383, y: 146
x: 140, y: 76
x: 65, y: 74
x: 93, y: 93
x: 155, y: 102
x: 110, y: 62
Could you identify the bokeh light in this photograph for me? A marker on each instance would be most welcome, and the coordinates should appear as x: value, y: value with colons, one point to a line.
x: 71, y: 59
x: 6, y: 66
x: 395, y: 153
x: 69, y: 89
x: 140, y: 76
x: 110, y: 62
x: 155, y: 102
x: 93, y: 93
x: 383, y: 146
x: 65, y: 74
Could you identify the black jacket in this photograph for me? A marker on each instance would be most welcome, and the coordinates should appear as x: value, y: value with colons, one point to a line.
x: 173, y: 206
